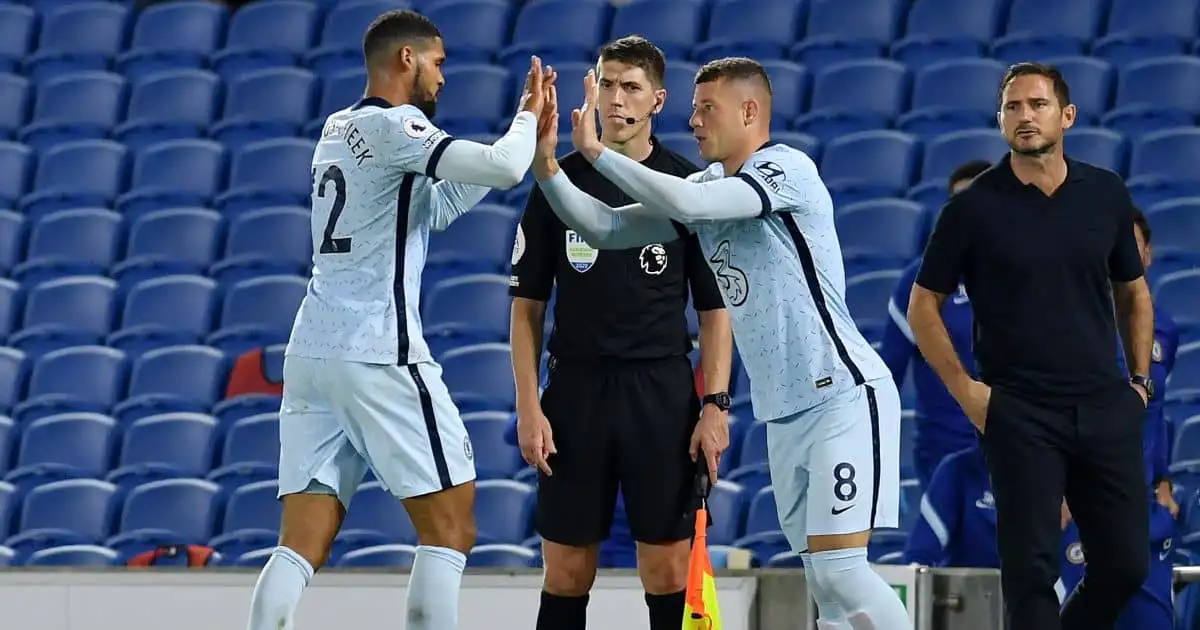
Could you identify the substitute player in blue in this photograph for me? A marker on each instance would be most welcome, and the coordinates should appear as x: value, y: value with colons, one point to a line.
x: 765, y: 222
x: 957, y: 522
x: 361, y: 389
x: 942, y: 428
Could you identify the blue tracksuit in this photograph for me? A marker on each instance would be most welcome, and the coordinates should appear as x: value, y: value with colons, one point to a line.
x: 957, y: 522
x: 942, y: 428
x: 619, y: 551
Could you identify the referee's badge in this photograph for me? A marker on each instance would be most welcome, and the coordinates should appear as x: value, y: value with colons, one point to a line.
x: 1075, y: 553
x: 579, y: 253
x: 518, y: 246
x: 1156, y: 352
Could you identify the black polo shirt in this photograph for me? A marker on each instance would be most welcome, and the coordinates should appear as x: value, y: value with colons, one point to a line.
x: 622, y: 304
x: 1037, y: 270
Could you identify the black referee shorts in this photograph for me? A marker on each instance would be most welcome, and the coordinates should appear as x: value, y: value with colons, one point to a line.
x: 620, y: 425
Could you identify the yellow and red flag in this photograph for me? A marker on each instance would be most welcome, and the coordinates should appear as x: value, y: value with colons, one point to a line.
x: 700, y: 609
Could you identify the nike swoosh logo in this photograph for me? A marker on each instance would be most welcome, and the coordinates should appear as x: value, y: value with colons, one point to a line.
x: 837, y: 511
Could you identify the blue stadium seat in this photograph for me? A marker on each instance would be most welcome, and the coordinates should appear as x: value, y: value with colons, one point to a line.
x: 886, y: 232
x: 501, y: 555
x: 762, y: 515
x: 1042, y: 30
x: 1092, y: 83
x: 379, y: 556
x: 727, y: 504
x: 495, y: 458
x: 173, y: 35
x: 762, y: 29
x: 675, y: 26
x: 503, y: 511
x: 341, y: 35
x: 256, y: 559
x: 174, y: 174
x: 8, y: 507
x: 846, y: 30
x: 375, y: 517
x: 6, y: 556
x: 8, y: 440
x: 169, y: 511
x: 475, y: 98
x: 680, y: 85
x: 165, y: 446
x: 948, y: 151
x: 251, y: 449
x: 18, y: 31
x: 854, y: 96
x: 269, y: 34
x: 480, y: 240
x: 68, y: 512
x: 869, y: 165
x: 752, y: 477
x: 73, y: 556
x: 265, y: 104
x: 537, y: 31
x: 175, y: 379
x: 884, y: 542
x: 1103, y: 147
x: 477, y: 377
x: 1137, y: 30
x: 1176, y: 224
x: 252, y: 518
x: 84, y: 173
x: 1179, y: 294
x: 16, y: 169
x: 1187, y: 441
x: 474, y: 31
x: 754, y: 444
x: 764, y: 546
x: 70, y: 243
x: 166, y: 311
x: 269, y: 173
x: 1155, y: 94
x: 272, y: 241
x: 867, y: 295
x: 938, y: 30
x: 786, y: 559
x: 84, y: 378
x: 76, y: 106
x: 66, y: 312
x: 338, y: 91
x: 789, y: 91
x: 169, y: 105
x: 11, y: 296
x: 1162, y: 161
x: 241, y: 406
x: 167, y: 242
x: 64, y: 446
x: 74, y: 37
x: 15, y: 97
x: 952, y: 95
x: 257, y: 312
x: 467, y: 306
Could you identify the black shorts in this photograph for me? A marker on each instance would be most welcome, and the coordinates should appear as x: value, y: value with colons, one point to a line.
x: 623, y: 425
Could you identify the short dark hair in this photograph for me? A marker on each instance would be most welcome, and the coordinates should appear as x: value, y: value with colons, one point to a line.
x: 1142, y: 223
x: 639, y: 52
x: 733, y: 68
x: 967, y: 171
x: 1061, y: 90
x: 400, y: 26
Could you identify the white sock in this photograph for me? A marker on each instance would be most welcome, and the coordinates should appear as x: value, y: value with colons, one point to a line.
x: 278, y: 590
x: 433, y: 588
x: 869, y: 602
x: 830, y: 612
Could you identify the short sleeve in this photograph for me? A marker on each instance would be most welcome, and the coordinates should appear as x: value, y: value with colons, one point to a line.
x: 705, y: 294
x: 945, y: 256
x: 1125, y: 261
x: 417, y: 144
x: 786, y: 180
x: 534, y: 258
x: 898, y: 304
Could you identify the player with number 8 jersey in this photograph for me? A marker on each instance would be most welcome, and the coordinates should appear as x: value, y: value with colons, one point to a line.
x: 361, y: 390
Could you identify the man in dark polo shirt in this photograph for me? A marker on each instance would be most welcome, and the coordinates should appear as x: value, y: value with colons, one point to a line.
x: 1042, y: 245
x: 620, y: 408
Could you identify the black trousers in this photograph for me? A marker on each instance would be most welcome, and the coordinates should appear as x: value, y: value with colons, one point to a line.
x: 1091, y: 453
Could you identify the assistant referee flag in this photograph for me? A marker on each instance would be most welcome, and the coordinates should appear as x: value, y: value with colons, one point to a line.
x: 700, y: 610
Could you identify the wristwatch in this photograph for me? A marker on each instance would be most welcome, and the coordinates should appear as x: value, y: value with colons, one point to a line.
x: 1145, y: 382
x: 720, y: 399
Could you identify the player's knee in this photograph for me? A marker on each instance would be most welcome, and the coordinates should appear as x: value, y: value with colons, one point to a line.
x: 663, y: 568
x: 310, y: 522
x: 446, y: 518
x: 569, y: 571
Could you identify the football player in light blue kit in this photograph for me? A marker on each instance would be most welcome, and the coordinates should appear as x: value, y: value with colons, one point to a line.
x: 765, y: 221
x: 361, y: 389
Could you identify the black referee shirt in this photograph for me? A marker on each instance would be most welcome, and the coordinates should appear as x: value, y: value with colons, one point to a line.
x: 1037, y: 269
x: 622, y: 304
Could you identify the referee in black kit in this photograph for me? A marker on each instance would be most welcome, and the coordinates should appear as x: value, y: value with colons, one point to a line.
x: 620, y: 408
x: 1043, y: 246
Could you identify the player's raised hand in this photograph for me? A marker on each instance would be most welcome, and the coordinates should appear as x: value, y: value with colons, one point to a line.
x: 583, y: 120
x: 534, y: 97
x: 544, y: 163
